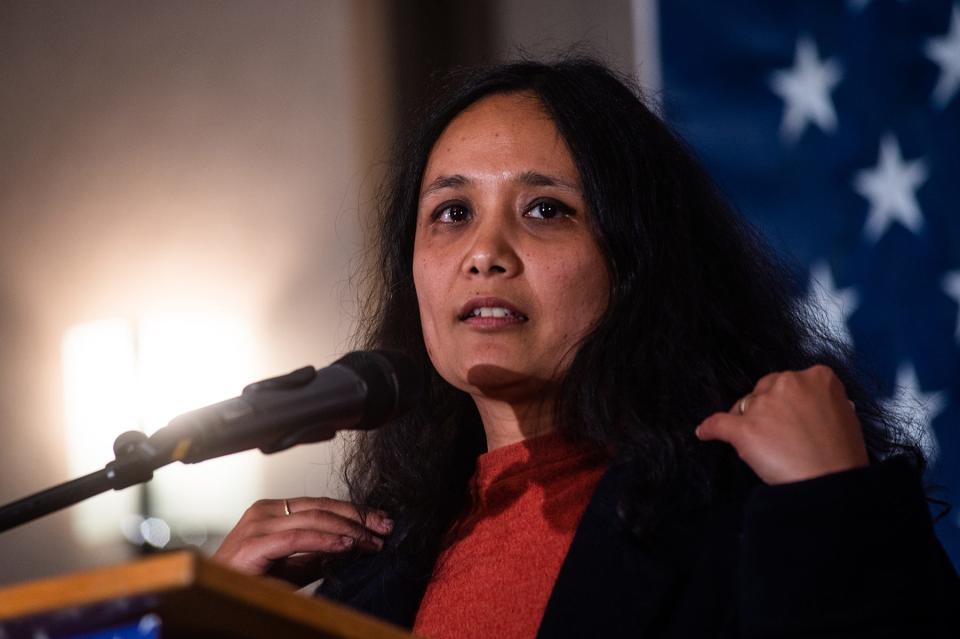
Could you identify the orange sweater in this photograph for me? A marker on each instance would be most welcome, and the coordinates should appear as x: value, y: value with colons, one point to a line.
x: 497, y: 573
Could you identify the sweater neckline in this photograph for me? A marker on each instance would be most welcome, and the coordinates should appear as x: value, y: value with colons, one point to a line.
x: 525, y: 455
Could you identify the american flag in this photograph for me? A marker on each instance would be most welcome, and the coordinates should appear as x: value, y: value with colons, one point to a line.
x: 835, y: 128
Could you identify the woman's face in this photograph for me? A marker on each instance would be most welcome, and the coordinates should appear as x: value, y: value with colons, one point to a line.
x: 508, y: 275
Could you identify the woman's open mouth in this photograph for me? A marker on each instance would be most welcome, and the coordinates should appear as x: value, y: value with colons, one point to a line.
x: 491, y: 313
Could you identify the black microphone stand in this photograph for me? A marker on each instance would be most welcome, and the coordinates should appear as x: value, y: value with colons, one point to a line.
x: 136, y: 457
x: 135, y: 460
x: 351, y: 384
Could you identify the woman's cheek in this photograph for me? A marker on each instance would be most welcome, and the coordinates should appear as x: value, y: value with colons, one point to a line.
x: 588, y: 286
x: 431, y: 339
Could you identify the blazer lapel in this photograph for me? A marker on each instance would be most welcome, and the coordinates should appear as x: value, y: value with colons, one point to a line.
x: 681, y: 584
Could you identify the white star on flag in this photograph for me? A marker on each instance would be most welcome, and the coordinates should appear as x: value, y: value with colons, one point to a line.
x: 945, y: 52
x: 951, y: 286
x: 834, y: 306
x: 891, y: 189
x: 805, y: 90
x: 917, y: 408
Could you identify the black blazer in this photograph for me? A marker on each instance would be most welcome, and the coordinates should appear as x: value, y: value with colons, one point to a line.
x: 850, y: 554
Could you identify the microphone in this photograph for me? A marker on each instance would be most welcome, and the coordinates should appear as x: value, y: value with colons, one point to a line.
x: 360, y: 391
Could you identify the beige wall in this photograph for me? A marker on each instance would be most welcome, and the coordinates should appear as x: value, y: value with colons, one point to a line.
x: 175, y: 155
x: 543, y: 28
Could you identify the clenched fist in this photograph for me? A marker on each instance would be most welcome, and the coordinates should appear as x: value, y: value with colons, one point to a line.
x: 795, y: 425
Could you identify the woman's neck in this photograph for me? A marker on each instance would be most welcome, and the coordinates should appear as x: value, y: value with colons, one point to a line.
x: 507, y: 423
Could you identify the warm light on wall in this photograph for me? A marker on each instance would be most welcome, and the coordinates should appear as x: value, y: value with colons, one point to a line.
x: 187, y: 361
x: 121, y: 375
x: 100, y: 399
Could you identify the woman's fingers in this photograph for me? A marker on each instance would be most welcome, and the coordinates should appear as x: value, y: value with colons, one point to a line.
x: 794, y: 425
x: 267, y: 508
x: 719, y: 426
x: 375, y: 519
x: 255, y: 554
x: 272, y: 530
x: 323, y: 521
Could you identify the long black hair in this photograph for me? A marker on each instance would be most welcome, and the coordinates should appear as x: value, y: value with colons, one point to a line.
x: 699, y: 309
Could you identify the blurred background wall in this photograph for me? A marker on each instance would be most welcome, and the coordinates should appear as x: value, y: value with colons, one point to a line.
x: 199, y: 172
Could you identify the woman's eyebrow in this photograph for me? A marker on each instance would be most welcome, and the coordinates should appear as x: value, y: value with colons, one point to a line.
x: 444, y: 182
x: 529, y: 178
x: 533, y: 178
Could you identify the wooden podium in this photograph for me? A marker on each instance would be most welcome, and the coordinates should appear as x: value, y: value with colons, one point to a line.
x: 177, y: 594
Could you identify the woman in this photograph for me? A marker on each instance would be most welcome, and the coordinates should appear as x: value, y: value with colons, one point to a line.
x: 628, y: 427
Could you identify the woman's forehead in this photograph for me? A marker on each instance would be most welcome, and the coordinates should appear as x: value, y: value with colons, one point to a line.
x: 503, y: 136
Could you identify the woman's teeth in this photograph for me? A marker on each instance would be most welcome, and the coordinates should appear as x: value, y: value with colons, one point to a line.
x: 486, y: 311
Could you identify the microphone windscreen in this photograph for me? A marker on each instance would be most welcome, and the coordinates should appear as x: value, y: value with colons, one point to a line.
x: 393, y: 384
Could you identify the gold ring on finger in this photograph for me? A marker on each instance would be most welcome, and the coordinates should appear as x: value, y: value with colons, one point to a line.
x: 286, y: 507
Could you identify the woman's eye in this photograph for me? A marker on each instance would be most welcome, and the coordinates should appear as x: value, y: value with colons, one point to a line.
x: 452, y: 213
x: 547, y: 210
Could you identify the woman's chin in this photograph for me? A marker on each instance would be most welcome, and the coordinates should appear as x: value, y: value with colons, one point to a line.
x: 504, y: 382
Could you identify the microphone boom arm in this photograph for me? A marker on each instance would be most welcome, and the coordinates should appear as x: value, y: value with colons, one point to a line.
x: 361, y: 390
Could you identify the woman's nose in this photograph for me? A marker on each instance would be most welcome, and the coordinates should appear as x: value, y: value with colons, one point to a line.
x: 491, y: 252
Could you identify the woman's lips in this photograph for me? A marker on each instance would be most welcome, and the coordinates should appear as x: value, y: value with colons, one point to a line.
x: 493, y: 322
x: 491, y: 312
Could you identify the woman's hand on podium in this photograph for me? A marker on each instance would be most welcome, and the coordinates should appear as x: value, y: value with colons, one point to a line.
x: 284, y: 537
